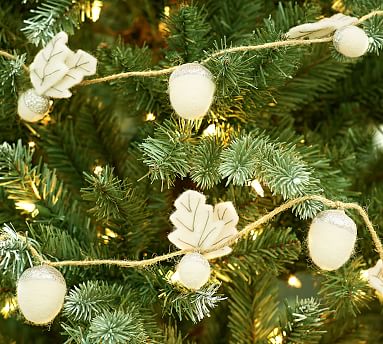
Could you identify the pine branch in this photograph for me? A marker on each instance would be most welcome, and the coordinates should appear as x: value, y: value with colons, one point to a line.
x: 112, y: 198
x: 51, y: 17
x: 39, y: 186
x: 267, y: 251
x: 90, y: 299
x: 167, y: 152
x: 374, y: 29
x: 191, y: 305
x: 15, y: 256
x: 11, y: 76
x: 361, y: 7
x: 232, y: 18
x: 205, y: 163
x: 188, y: 34
x: 304, y: 322
x: 253, y: 306
x: 136, y: 95
x: 117, y: 328
x: 57, y: 243
x: 100, y: 310
x: 63, y: 153
x: 116, y: 204
x: 280, y: 167
x: 345, y: 292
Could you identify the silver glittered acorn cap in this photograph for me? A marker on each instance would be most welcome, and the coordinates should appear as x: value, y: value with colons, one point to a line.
x: 35, y: 102
x: 42, y: 272
x: 193, y: 68
x: 337, y: 218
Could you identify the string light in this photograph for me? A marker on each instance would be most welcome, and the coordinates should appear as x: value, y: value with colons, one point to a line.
x: 294, y: 282
x: 96, y: 10
x: 27, y: 206
x: 150, y: 117
x: 9, y: 307
x: 210, y: 130
x: 338, y: 6
x: 167, y: 11
x: 106, y: 235
x: 275, y: 336
x: 110, y: 233
x: 256, y: 185
x: 97, y: 170
x: 105, y: 238
x: 47, y: 119
x: 255, y: 233
x: 91, y: 10
x: 364, y: 275
x: 378, y: 138
x: 31, y: 144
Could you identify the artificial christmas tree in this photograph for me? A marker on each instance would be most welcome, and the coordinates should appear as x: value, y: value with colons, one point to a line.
x: 207, y: 185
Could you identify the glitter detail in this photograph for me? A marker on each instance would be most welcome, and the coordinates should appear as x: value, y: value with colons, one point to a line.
x: 191, y: 69
x: 36, y: 103
x: 42, y: 272
x: 195, y: 258
x: 337, y: 37
x: 337, y: 218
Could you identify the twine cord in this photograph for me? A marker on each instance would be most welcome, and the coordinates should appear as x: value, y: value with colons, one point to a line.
x: 166, y: 71
x: 231, y: 241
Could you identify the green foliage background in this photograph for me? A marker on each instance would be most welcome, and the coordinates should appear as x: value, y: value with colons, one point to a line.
x: 299, y: 119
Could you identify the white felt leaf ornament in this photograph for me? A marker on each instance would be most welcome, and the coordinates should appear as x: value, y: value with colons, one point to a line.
x: 322, y: 28
x: 53, y: 72
x: 199, y: 226
x: 56, y: 68
x: 80, y: 64
x: 375, y: 276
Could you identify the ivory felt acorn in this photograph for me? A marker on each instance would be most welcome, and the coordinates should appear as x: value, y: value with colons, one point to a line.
x: 32, y: 107
x: 331, y: 239
x: 351, y: 41
x: 191, y: 90
x: 40, y: 294
x: 193, y: 270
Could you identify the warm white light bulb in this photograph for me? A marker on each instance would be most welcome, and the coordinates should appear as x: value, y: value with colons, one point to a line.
x: 9, y: 307
x: 150, y: 117
x: 378, y: 138
x: 110, y: 233
x: 210, y: 130
x: 98, y: 170
x: 294, y: 282
x: 256, y: 185
x: 275, y: 336
x: 27, y: 206
x: 96, y: 10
